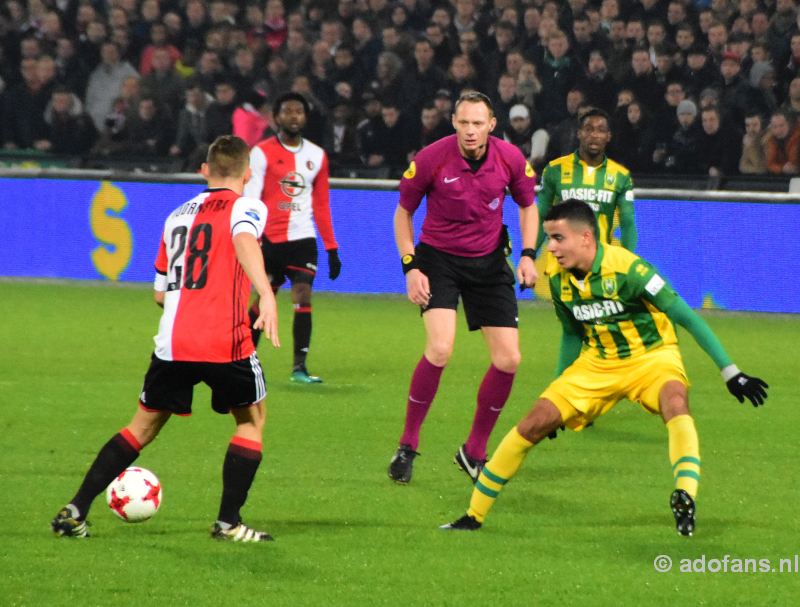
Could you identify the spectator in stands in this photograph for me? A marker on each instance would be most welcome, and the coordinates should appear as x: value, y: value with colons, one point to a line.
x: 69, y: 130
x: 505, y: 97
x: 159, y: 40
x: 23, y: 108
x: 597, y: 83
x: 345, y: 69
x: 736, y: 94
x: 791, y: 66
x: 219, y: 115
x: 398, y: 42
x: 461, y: 75
x: 367, y: 47
x: 163, y: 82
x: 559, y: 72
x: 442, y: 45
x: 531, y: 139
x: 719, y: 146
x: 617, y: 52
x: 792, y: 102
x: 105, y: 82
x: 433, y: 126
x: 275, y: 27
x: 583, y: 41
x: 341, y: 138
x: 699, y: 71
x: 684, y: 39
x: 762, y: 80
x: 251, y: 120
x: 753, y: 160
x: 387, y: 83
x: 149, y: 130
x: 666, y: 70
x: 564, y: 134
x: 782, y: 144
x: 389, y: 146
x: 70, y: 70
x: 717, y: 40
x: 115, y: 127
x: 781, y: 25
x: 665, y: 121
x: 528, y: 84
x: 468, y: 44
x: 641, y: 79
x: 505, y: 37
x: 296, y: 52
x: 681, y: 154
x: 209, y: 69
x: 243, y: 72
x: 192, y: 132
x: 632, y: 145
x: 422, y: 80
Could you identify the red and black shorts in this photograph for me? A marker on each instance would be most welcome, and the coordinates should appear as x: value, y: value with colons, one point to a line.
x: 295, y: 260
x: 485, y: 285
x: 169, y: 384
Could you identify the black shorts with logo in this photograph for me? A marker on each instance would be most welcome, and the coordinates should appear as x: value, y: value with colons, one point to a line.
x: 295, y: 260
x: 169, y: 384
x: 485, y: 284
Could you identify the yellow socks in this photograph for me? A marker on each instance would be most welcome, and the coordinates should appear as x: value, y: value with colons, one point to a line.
x: 684, y: 453
x: 505, y: 462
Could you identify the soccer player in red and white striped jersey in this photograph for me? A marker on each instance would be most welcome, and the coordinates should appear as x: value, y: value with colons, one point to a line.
x: 207, y: 261
x: 290, y: 175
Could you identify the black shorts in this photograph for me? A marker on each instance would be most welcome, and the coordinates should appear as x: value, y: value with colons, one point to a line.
x: 295, y: 260
x: 169, y: 384
x: 485, y: 284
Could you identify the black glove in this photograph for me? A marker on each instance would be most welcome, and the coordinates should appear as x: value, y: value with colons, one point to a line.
x: 743, y: 386
x: 334, y: 264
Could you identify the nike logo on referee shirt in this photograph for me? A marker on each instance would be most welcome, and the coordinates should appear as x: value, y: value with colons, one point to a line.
x: 451, y: 180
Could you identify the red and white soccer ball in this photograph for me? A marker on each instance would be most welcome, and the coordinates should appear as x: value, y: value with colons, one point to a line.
x: 135, y: 495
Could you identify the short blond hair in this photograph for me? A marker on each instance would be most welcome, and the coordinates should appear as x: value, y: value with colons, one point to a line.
x: 228, y: 156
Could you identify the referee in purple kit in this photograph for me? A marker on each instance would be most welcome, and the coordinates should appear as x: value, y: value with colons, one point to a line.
x: 461, y: 252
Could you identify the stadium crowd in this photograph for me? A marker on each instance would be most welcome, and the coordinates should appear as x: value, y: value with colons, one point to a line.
x: 693, y: 86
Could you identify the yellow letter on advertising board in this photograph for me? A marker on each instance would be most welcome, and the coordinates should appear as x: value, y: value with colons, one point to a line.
x: 114, y: 253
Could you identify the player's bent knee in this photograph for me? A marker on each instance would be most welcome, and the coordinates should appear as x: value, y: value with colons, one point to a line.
x: 439, y: 353
x: 508, y: 362
x: 543, y: 419
x: 673, y: 400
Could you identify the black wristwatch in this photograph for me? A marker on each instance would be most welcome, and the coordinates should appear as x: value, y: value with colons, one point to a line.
x: 528, y: 253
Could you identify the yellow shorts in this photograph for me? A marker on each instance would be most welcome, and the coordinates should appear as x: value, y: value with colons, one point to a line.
x: 591, y: 386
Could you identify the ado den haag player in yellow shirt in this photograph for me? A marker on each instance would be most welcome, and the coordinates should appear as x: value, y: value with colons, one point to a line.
x: 589, y: 175
x: 619, y: 341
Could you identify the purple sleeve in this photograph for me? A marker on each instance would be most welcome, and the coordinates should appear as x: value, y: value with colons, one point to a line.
x: 414, y: 183
x: 523, y: 178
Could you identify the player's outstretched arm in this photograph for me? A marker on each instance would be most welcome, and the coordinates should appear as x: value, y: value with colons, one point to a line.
x: 249, y: 255
x: 739, y: 384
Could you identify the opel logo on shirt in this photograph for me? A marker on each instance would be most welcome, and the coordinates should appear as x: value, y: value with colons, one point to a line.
x: 293, y: 184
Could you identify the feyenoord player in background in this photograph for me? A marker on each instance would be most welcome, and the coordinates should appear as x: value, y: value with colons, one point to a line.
x: 290, y: 174
x: 619, y: 341
x: 207, y: 260
x: 460, y: 255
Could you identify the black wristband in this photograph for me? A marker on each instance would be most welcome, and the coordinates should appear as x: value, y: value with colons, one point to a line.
x: 409, y: 263
x: 528, y: 253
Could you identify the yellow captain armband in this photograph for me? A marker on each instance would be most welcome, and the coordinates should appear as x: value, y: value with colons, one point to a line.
x: 410, y: 171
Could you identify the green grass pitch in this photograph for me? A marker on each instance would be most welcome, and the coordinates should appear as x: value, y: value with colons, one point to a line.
x: 580, y: 524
